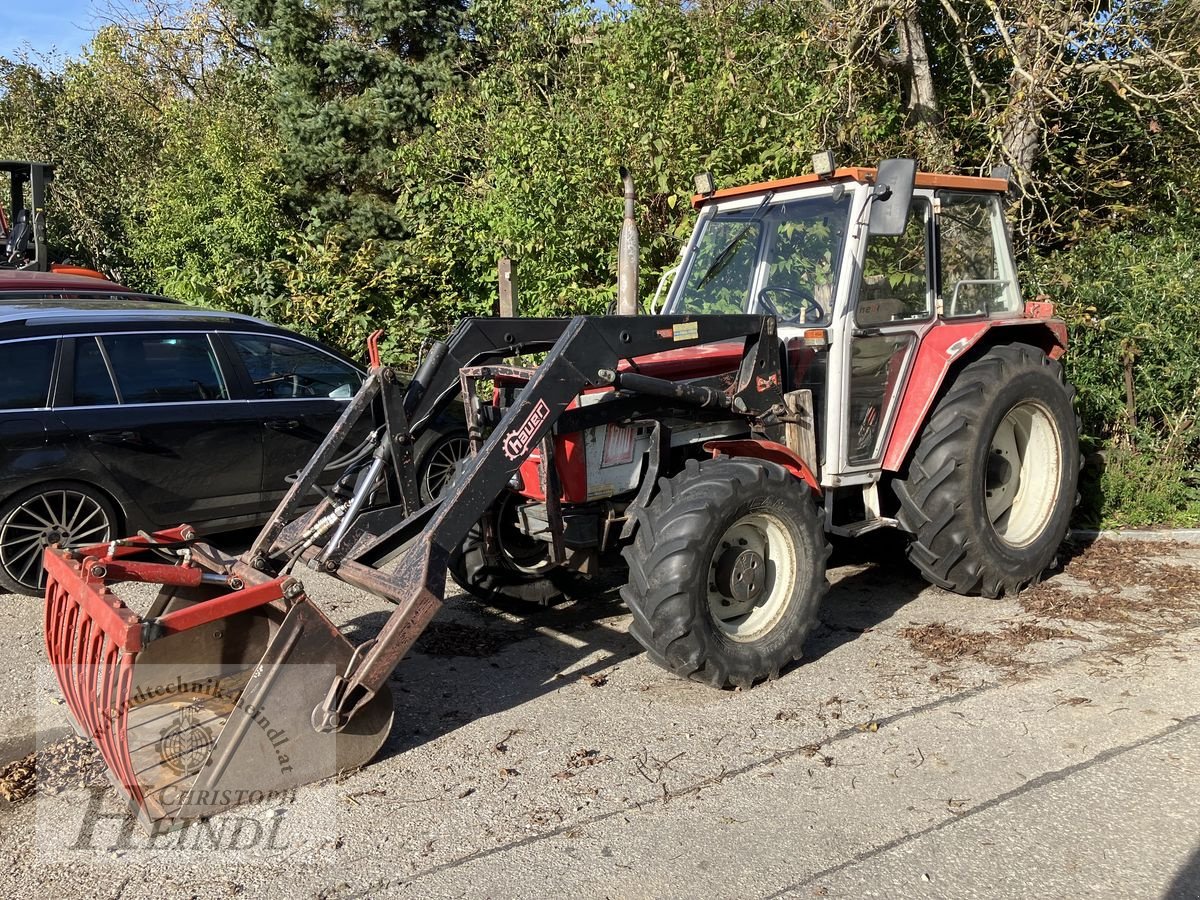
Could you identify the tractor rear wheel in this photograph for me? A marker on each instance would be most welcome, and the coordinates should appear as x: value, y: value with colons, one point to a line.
x: 521, y: 569
x: 991, y: 485
x: 727, y: 572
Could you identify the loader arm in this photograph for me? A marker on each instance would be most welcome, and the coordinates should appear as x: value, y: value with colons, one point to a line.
x: 234, y: 657
x: 585, y: 354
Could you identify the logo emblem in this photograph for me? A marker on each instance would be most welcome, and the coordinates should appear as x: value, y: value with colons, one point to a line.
x: 516, y: 442
x: 184, y: 744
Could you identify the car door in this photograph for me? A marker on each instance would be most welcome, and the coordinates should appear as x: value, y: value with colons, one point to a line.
x: 156, y: 409
x: 300, y: 390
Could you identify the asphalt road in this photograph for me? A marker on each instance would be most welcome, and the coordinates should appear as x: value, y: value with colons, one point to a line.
x: 931, y: 746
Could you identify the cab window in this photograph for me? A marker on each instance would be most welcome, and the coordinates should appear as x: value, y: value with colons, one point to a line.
x: 976, y: 269
x: 895, y: 278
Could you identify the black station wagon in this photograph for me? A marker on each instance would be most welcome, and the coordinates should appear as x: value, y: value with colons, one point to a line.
x: 121, y: 412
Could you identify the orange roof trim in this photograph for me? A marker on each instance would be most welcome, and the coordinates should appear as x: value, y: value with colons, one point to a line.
x: 866, y: 176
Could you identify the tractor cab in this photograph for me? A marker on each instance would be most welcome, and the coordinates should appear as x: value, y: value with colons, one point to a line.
x: 860, y: 267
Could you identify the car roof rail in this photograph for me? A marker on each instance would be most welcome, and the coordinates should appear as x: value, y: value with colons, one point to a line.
x: 82, y: 294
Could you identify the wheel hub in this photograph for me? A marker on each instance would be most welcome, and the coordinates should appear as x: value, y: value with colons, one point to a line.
x: 741, y: 574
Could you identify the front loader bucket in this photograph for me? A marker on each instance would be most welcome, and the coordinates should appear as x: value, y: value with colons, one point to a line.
x: 206, y: 701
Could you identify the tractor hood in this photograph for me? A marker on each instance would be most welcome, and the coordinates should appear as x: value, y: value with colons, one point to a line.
x: 688, y: 362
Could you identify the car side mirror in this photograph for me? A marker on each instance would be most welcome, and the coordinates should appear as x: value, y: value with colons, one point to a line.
x: 892, y: 196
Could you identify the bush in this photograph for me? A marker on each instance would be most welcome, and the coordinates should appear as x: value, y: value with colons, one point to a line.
x: 1132, y: 301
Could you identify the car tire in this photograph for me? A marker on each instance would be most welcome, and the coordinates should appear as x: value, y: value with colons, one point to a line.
x: 438, y: 457
x: 65, y: 512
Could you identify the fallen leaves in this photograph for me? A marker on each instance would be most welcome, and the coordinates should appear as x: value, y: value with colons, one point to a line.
x: 69, y: 762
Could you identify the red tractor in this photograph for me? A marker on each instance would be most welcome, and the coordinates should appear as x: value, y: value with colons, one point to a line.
x: 838, y: 352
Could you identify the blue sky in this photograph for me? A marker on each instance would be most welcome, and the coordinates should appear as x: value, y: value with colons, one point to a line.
x: 45, y: 25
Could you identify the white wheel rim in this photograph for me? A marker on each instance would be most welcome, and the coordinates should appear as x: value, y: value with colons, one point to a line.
x: 760, y: 549
x: 68, y: 518
x: 1023, y: 473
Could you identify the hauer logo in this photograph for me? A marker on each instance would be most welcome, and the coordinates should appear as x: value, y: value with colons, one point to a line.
x: 517, y: 441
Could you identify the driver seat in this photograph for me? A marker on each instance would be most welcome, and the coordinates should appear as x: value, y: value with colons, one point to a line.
x: 17, y: 244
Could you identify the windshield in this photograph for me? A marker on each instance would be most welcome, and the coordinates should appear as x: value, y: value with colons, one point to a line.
x: 800, y: 242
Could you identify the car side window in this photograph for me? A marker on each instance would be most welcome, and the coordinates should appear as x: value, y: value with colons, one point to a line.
x: 289, y: 369
x: 25, y: 374
x: 93, y: 386
x: 165, y: 368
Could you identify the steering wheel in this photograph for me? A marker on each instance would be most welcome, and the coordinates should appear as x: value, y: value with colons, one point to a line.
x: 805, y: 301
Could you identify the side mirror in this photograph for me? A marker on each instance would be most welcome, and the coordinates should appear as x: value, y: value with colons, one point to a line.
x: 894, y: 183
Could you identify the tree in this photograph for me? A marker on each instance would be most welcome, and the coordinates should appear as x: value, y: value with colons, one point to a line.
x: 1084, y: 99
x: 353, y: 82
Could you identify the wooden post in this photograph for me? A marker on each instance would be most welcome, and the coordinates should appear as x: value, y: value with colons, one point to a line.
x: 508, y: 289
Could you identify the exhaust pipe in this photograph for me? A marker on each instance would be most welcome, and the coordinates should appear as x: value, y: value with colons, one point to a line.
x: 627, y: 254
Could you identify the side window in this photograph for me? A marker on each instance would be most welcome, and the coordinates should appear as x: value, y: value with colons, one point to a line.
x: 25, y: 375
x: 165, y: 368
x: 288, y: 369
x: 805, y: 241
x: 976, y: 271
x: 93, y: 386
x: 895, y: 282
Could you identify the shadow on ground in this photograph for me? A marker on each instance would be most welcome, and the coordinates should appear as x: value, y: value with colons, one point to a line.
x: 474, y: 660
x: 1186, y: 885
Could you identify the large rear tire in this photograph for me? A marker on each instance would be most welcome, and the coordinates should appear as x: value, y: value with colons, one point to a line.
x: 989, y: 491
x: 727, y: 572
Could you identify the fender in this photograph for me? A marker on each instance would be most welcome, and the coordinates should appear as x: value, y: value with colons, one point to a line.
x: 770, y: 451
x: 941, y: 348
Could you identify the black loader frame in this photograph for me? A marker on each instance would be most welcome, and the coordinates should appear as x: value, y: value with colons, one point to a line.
x: 354, y: 540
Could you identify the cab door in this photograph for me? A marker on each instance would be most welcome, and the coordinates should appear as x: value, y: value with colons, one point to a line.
x: 893, y: 306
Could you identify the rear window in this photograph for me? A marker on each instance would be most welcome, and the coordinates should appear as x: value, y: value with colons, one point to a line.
x: 25, y: 374
x: 165, y: 368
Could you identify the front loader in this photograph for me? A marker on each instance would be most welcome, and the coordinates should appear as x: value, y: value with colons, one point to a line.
x: 807, y: 377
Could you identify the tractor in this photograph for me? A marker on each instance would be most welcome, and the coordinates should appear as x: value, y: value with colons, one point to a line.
x: 838, y: 352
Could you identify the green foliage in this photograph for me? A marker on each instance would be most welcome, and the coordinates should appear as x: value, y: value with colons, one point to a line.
x: 206, y: 233
x: 352, y: 80
x: 342, y: 165
x: 1133, y: 299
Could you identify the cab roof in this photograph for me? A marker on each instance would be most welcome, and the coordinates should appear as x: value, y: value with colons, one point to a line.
x: 929, y: 180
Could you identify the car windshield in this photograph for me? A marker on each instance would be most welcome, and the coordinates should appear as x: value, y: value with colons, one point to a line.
x: 800, y: 242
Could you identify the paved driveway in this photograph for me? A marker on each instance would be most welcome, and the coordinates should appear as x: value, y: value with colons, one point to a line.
x: 931, y: 746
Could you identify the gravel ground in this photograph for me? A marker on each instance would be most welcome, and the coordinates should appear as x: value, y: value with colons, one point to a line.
x: 930, y: 746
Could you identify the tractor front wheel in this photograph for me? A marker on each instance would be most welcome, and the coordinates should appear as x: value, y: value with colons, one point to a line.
x: 727, y: 572
x: 989, y: 491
